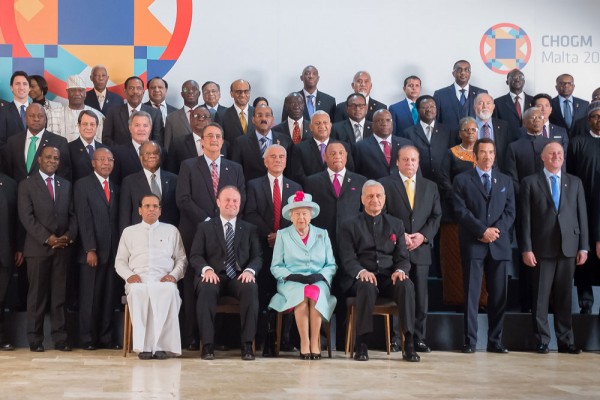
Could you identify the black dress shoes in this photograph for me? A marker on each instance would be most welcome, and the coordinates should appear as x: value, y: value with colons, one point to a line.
x: 247, y: 352
x: 36, y: 347
x: 160, y: 355
x: 362, y: 352
x: 88, y: 346
x: 145, y: 355
x: 542, y: 348
x: 468, y: 349
x: 193, y: 346
x: 411, y: 356
x: 208, y: 352
x: 497, y: 348
x: 6, y: 346
x: 62, y: 346
x: 421, y: 346
x: 396, y: 345
x: 570, y: 349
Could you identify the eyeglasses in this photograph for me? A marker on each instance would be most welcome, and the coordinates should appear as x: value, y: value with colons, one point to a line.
x: 104, y: 159
x: 594, y: 117
x: 213, y: 136
x: 151, y: 153
x: 190, y: 90
x: 201, y: 117
x: 472, y: 130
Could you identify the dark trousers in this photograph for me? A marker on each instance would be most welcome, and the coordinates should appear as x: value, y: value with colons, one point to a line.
x: 47, y: 284
x: 553, y: 279
x: 96, y: 288
x: 206, y: 305
x: 403, y: 293
x: 495, y: 280
x: 419, y: 275
x: 5, y: 273
x: 190, y: 325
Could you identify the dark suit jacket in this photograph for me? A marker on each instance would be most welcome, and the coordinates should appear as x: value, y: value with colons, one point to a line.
x: 475, y: 211
x: 344, y: 131
x: 306, y: 160
x: 116, y: 125
x: 170, y: 109
x: 502, y: 138
x: 14, y: 157
x: 10, y: 122
x: 259, y: 204
x: 135, y: 186
x: 230, y: 122
x: 285, y: 129
x: 127, y: 162
x: 182, y: 148
x: 335, y: 210
x: 449, y: 111
x: 374, y: 105
x: 111, y: 101
x: 580, y: 127
x: 545, y: 231
x: 579, y: 111
x: 246, y: 152
x: 177, y: 125
x: 431, y: 154
x: 323, y: 102
x: 8, y: 232
x: 220, y: 111
x: 208, y: 248
x: 524, y: 158
x: 42, y: 216
x: 195, y: 195
x: 80, y: 161
x: 360, y: 249
x: 370, y: 161
x: 424, y: 218
x: 97, y: 219
x: 505, y: 110
x: 401, y: 116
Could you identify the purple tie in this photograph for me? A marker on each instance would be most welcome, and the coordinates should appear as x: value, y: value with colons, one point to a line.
x: 322, y: 150
x: 336, y: 185
x: 544, y: 132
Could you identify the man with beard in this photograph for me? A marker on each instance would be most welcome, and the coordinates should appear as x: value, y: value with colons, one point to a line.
x: 492, y: 128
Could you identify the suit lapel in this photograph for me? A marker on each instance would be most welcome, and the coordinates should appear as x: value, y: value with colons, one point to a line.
x: 165, y: 182
x: 190, y: 145
x: 219, y: 233
x: 266, y: 187
x: 399, y: 186
x: 286, y: 192
x: 16, y: 115
x: 205, y: 172
x: 421, y: 134
x: 124, y: 117
x: 99, y: 189
x: 543, y: 186
x: 477, y: 182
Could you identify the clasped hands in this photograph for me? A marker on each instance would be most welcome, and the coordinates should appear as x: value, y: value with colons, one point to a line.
x: 413, y: 240
x: 490, y: 235
x: 57, y: 242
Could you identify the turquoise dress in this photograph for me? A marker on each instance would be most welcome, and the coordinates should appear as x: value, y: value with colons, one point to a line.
x: 292, y: 256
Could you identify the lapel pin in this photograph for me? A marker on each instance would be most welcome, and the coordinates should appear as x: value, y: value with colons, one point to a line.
x: 287, y: 185
x: 494, y: 180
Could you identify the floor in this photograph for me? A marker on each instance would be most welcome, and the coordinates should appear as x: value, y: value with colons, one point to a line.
x: 105, y: 374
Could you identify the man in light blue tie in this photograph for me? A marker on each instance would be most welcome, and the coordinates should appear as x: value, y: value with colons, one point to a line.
x: 405, y: 113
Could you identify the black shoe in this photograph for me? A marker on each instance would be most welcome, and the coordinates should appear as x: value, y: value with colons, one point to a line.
x: 247, y: 352
x: 421, y: 346
x: 468, y: 349
x: 116, y: 346
x: 586, y: 310
x: 542, y: 348
x: 315, y: 356
x: 88, y: 346
x: 208, y: 352
x: 145, y: 355
x: 396, y: 345
x: 305, y: 356
x: 6, y: 346
x: 497, y: 348
x: 160, y: 355
x: 36, y: 347
x: 193, y: 346
x: 411, y: 356
x: 362, y: 352
x: 62, y: 346
x: 570, y: 349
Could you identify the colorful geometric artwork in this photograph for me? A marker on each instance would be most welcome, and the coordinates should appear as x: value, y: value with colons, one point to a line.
x: 505, y: 47
x: 59, y: 38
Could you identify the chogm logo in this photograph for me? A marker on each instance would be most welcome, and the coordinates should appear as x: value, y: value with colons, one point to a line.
x: 58, y: 38
x: 504, y: 47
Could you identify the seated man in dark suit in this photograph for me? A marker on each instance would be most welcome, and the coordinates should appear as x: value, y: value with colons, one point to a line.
x: 512, y: 105
x: 356, y: 127
x: 100, y: 98
x: 484, y: 206
x: 46, y: 212
x: 178, y: 123
x: 567, y: 108
x: 312, y: 99
x: 404, y: 113
x: 189, y: 145
x: 211, y: 94
x: 116, y: 124
x: 157, y: 93
x: 295, y: 124
x: 376, y: 155
x: 12, y: 115
x: 81, y: 150
x: 236, y: 120
x: 553, y: 239
x: 375, y: 262
x: 457, y: 100
x: 493, y: 128
x: 248, y: 150
x: 226, y: 257
x: 416, y: 201
x: 361, y: 84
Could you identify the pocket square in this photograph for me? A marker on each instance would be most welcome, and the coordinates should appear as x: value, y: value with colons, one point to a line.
x: 503, y: 190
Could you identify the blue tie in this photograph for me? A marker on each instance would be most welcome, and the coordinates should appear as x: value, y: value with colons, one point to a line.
x: 567, y: 114
x: 463, y: 99
x: 309, y: 105
x: 263, y: 145
x: 229, y: 253
x: 555, y: 188
x: 22, y: 113
x: 415, y: 114
x: 487, y: 184
x: 90, y: 150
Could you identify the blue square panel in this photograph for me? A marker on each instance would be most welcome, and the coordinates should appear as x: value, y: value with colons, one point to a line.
x: 50, y: 50
x: 33, y: 66
x: 5, y: 50
x: 95, y: 22
x: 506, y: 48
x: 140, y: 52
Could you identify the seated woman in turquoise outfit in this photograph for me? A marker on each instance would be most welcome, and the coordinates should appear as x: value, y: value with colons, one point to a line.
x: 303, y: 266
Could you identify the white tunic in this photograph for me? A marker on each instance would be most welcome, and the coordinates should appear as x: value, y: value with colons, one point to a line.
x: 152, y: 251
x: 63, y: 122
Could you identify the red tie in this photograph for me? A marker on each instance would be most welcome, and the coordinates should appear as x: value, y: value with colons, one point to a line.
x: 50, y: 188
x: 336, y: 185
x: 296, y: 134
x: 106, y: 190
x: 276, y: 205
x: 518, y: 107
x: 215, y: 178
x: 387, y: 151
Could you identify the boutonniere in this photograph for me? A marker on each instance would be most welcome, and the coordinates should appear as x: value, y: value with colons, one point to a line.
x: 393, y: 238
x: 353, y: 188
x: 349, y: 179
x: 226, y: 169
x: 58, y: 183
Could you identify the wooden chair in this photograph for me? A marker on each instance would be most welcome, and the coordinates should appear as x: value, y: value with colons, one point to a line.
x: 384, y: 307
x: 230, y: 305
x: 127, y: 329
x: 325, y: 325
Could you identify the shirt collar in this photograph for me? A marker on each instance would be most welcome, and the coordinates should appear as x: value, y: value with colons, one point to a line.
x: 341, y: 174
x: 549, y: 174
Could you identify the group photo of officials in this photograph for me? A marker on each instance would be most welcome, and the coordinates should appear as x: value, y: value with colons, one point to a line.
x: 304, y: 224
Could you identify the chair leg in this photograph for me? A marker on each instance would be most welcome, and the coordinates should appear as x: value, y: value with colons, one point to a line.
x: 126, y: 331
x: 350, y: 331
x: 328, y: 332
x: 278, y: 332
x: 387, y: 333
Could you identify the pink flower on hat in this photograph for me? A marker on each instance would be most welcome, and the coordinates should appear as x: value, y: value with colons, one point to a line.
x: 299, y: 196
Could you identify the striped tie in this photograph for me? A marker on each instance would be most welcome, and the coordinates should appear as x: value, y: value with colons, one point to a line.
x: 230, y: 254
